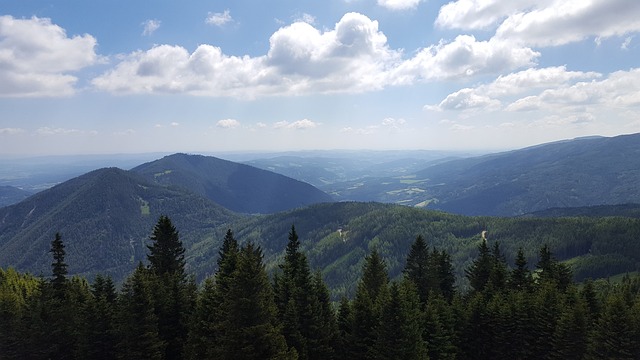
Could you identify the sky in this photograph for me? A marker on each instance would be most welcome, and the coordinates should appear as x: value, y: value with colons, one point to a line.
x: 113, y: 76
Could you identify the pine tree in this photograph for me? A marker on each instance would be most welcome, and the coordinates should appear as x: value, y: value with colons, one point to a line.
x: 251, y: 314
x: 58, y: 267
x: 98, y: 334
x: 570, y: 339
x: 209, y: 319
x: 615, y: 336
x: 137, y: 324
x: 166, y: 253
x: 345, y: 319
x: 296, y: 301
x: 400, y: 336
x: 417, y: 268
x: 520, y: 278
x: 371, y: 294
x: 174, y: 294
x: 479, y: 273
x: 323, y: 334
x: 439, y: 332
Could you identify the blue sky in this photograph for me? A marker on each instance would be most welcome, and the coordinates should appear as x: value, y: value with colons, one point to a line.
x: 106, y: 76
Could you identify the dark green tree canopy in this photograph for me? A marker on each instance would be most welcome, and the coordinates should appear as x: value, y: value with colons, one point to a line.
x: 166, y: 253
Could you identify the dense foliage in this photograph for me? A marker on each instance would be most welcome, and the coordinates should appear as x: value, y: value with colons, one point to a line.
x: 240, y: 312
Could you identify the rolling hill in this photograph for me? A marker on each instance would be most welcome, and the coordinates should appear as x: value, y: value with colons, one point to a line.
x: 237, y: 187
x: 105, y: 218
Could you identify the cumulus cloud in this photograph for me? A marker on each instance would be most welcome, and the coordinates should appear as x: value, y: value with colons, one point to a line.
x: 11, y: 131
x: 228, y: 123
x: 488, y: 96
x: 543, y: 22
x: 49, y: 131
x: 353, y: 57
x: 481, y: 14
x: 465, y: 57
x: 563, y: 22
x: 150, y: 26
x: 393, y: 123
x: 219, y: 19
x: 37, y: 57
x: 306, y: 18
x: 399, y: 4
x: 621, y: 89
x: 296, y: 125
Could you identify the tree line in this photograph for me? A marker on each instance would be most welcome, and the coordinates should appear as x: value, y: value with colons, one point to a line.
x: 242, y: 312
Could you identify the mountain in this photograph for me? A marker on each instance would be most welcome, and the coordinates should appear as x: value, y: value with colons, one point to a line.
x: 623, y: 210
x: 337, y: 236
x: 105, y: 218
x: 573, y: 173
x: 11, y: 195
x: 581, y: 172
x: 237, y: 187
x: 323, y: 168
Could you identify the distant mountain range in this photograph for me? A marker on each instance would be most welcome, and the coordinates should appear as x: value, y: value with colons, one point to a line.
x: 574, y: 173
x: 11, y: 195
x: 106, y: 216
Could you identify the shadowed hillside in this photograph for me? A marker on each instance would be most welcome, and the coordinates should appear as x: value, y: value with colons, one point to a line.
x: 237, y: 187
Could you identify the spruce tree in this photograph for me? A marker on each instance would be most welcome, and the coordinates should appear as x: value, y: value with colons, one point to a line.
x: 296, y: 301
x: 520, y: 278
x: 371, y: 294
x: 208, y: 320
x: 417, y: 268
x: 136, y: 322
x: 58, y: 267
x: 479, y: 273
x: 400, y: 336
x: 166, y: 253
x: 173, y: 293
x: 251, y: 324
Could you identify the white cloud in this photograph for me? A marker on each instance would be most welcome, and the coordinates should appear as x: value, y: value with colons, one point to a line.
x: 11, y: 131
x: 488, y: 96
x: 219, y: 19
x: 399, y: 4
x: 480, y: 14
x: 296, y: 125
x: 49, y: 131
x: 37, y: 56
x: 150, y: 26
x: 306, y: 18
x: 393, y: 123
x: 354, y: 57
x: 228, y: 123
x: 467, y: 99
x: 621, y: 89
x: 568, y: 21
x: 465, y: 57
x: 626, y: 43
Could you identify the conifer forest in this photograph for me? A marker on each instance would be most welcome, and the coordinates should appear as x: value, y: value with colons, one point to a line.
x: 242, y: 311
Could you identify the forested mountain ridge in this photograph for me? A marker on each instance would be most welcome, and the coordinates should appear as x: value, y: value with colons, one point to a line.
x: 237, y: 187
x: 573, y: 173
x: 337, y: 236
x: 105, y: 216
x: 11, y: 195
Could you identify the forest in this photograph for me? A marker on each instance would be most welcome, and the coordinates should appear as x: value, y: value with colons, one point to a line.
x: 244, y: 311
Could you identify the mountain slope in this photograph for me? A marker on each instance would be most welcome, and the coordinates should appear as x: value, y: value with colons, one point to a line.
x: 105, y: 218
x: 11, y: 195
x: 237, y: 187
x: 581, y: 172
x: 337, y: 236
